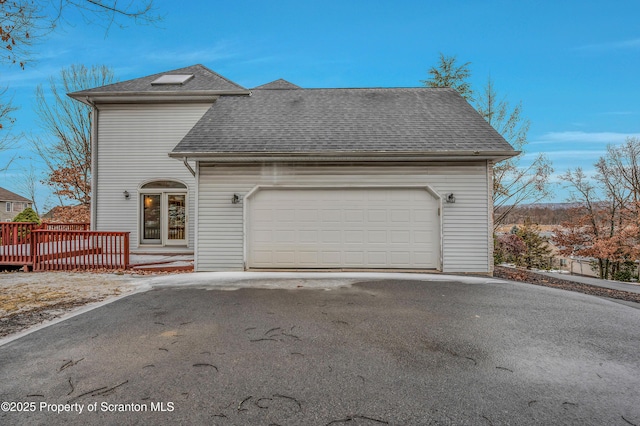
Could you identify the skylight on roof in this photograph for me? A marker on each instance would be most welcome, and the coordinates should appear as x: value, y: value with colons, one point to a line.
x: 171, y: 79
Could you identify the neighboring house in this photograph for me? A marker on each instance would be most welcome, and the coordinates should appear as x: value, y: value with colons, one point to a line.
x: 576, y: 265
x: 280, y: 177
x: 11, y: 204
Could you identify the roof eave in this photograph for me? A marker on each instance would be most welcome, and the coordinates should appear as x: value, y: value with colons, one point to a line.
x: 243, y: 157
x: 90, y: 98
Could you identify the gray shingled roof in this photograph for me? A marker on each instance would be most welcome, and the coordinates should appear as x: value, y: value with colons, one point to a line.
x: 387, y: 120
x: 204, y: 80
x: 279, y: 84
x: 6, y: 195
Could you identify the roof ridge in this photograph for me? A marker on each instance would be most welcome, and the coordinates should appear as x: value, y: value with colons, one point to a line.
x: 219, y: 75
x: 206, y: 80
x: 17, y: 197
x: 279, y: 84
x: 366, y: 88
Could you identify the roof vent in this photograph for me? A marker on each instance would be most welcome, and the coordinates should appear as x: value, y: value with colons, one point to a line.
x: 172, y: 79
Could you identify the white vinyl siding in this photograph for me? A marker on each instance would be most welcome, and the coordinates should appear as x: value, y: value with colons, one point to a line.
x: 133, y: 146
x: 465, y: 230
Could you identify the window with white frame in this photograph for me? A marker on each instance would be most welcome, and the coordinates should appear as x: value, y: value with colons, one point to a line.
x: 8, y: 206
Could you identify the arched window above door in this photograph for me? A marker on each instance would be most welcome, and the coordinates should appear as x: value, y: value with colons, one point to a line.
x: 161, y: 184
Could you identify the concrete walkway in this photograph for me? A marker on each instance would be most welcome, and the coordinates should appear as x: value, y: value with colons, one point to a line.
x: 161, y: 262
x: 615, y: 285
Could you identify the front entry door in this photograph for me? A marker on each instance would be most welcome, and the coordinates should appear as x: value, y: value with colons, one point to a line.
x: 164, y: 219
x: 176, y: 225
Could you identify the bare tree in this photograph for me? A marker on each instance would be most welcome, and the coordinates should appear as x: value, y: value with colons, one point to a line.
x: 589, y: 221
x: 620, y: 168
x: 7, y: 140
x: 66, y: 148
x: 604, y: 225
x: 513, y: 183
x: 23, y: 23
x: 619, y: 175
x: 29, y: 184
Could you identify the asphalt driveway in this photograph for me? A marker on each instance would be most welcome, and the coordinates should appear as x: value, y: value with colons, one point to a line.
x: 409, y: 352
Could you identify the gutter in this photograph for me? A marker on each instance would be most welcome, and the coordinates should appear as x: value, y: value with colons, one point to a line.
x: 254, y: 157
x: 142, y: 96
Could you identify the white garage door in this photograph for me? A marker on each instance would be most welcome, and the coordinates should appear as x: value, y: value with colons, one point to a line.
x: 343, y: 228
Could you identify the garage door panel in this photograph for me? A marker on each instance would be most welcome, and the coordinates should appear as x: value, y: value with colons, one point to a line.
x: 264, y: 214
x: 262, y: 257
x: 377, y: 258
x: 377, y: 216
x: 401, y: 237
x: 263, y: 236
x: 423, y: 254
x: 308, y: 257
x: 401, y: 216
x: 354, y: 257
x: 284, y: 257
x: 341, y: 228
x: 331, y: 237
x: 308, y: 236
x: 354, y: 216
x: 285, y: 236
x: 377, y: 236
x: 306, y: 215
x: 423, y: 237
x: 331, y: 258
x: 351, y: 237
x: 401, y: 258
x: 283, y: 214
x: 422, y: 216
x: 333, y: 215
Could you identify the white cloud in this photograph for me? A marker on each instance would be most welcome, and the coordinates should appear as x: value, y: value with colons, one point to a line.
x: 633, y: 43
x: 584, y: 137
x: 217, y: 52
x: 569, y: 154
x: 619, y: 113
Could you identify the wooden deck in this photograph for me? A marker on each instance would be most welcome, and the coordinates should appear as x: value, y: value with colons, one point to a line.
x: 41, y: 248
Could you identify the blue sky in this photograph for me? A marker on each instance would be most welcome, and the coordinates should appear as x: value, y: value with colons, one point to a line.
x: 572, y: 63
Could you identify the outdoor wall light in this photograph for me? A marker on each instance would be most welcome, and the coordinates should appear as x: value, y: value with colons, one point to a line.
x: 126, y: 195
x: 235, y: 199
x: 450, y: 198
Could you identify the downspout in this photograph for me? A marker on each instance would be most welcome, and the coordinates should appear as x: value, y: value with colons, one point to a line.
x: 491, y: 225
x: 94, y: 165
x: 195, y: 212
x: 188, y: 166
x: 196, y: 219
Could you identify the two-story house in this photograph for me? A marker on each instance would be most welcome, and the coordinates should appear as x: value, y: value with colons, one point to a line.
x: 282, y: 177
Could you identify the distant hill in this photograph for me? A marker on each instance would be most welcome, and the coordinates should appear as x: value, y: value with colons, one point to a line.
x: 553, y: 206
x: 540, y: 213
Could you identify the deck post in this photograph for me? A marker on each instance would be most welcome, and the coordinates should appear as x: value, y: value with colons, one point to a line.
x: 126, y: 250
x: 33, y: 248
